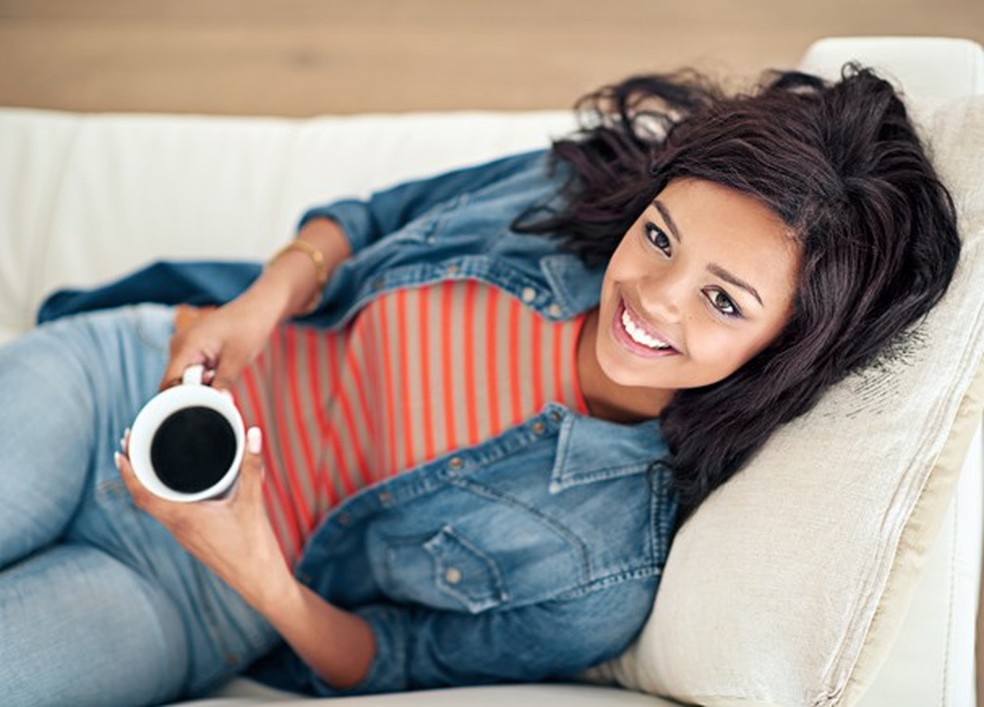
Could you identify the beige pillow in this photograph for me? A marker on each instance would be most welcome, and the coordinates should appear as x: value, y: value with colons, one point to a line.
x: 788, y: 585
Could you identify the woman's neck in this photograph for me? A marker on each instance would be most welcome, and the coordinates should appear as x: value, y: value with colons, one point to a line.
x: 606, y: 399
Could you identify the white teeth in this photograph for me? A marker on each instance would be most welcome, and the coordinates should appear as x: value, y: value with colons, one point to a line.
x: 638, y: 335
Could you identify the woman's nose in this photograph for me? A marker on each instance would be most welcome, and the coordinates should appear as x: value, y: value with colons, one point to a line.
x: 662, y: 297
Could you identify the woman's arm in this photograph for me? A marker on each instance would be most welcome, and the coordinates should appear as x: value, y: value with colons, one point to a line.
x: 365, y: 221
x: 230, y: 337
x: 337, y: 645
x: 288, y: 284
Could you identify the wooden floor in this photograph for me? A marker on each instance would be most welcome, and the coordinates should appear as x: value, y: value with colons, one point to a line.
x: 305, y: 57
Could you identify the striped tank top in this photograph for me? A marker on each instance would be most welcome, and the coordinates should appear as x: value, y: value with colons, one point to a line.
x: 419, y: 372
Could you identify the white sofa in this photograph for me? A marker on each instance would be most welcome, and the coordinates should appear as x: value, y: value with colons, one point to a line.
x: 84, y: 198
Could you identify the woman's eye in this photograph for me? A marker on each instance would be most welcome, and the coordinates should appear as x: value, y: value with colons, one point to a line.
x: 657, y: 237
x: 724, y: 304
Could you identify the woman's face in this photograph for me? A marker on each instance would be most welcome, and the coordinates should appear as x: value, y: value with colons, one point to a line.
x: 701, y: 282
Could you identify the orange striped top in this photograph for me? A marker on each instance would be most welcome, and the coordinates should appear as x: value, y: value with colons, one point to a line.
x: 418, y: 373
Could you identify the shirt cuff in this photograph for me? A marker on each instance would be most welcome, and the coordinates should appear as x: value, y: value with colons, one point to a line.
x: 351, y: 214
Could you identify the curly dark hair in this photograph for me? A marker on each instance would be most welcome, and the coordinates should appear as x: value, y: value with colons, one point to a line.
x: 842, y: 165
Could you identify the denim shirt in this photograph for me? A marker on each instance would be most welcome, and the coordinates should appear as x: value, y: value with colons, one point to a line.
x: 532, y: 555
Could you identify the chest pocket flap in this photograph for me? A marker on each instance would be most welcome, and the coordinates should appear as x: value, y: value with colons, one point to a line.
x: 463, y: 576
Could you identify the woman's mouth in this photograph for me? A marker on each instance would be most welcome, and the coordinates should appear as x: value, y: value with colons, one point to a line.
x: 636, y: 337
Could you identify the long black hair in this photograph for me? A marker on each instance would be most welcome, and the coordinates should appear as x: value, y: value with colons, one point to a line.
x: 840, y: 163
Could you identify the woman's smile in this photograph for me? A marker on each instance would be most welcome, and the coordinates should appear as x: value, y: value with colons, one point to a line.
x: 639, y: 337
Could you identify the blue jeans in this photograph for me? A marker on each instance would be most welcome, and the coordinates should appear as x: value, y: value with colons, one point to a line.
x: 98, y: 603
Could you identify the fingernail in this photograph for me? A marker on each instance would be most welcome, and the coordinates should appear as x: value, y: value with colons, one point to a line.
x: 254, y: 440
x: 117, y: 459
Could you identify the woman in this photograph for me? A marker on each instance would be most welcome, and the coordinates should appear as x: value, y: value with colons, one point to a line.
x: 507, y: 386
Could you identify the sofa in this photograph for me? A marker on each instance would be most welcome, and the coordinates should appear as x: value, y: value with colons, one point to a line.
x: 874, y: 603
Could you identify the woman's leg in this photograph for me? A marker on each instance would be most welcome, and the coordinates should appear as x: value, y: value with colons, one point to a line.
x: 47, y: 435
x: 73, y: 546
x: 78, y: 627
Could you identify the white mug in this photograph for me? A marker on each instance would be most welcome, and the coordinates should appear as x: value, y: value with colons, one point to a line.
x: 187, y: 442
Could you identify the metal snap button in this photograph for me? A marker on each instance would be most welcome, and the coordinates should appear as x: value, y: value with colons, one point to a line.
x: 528, y: 294
x: 554, y: 310
x: 538, y: 427
x: 385, y: 497
x: 556, y: 416
x: 455, y: 463
x: 451, y: 269
x: 453, y: 575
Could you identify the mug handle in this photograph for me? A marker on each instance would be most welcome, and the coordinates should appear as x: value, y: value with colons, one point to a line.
x: 193, y: 374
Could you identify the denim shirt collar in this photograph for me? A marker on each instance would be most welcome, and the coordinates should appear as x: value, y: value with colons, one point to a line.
x: 627, y: 449
x: 575, y: 285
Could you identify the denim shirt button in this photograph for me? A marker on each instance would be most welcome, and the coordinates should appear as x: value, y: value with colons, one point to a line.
x: 554, y: 310
x: 528, y: 294
x: 451, y: 269
x: 452, y: 575
x: 455, y: 463
x: 538, y: 427
x: 385, y: 497
x: 556, y: 416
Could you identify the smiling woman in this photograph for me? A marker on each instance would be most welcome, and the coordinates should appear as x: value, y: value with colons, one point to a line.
x: 476, y: 439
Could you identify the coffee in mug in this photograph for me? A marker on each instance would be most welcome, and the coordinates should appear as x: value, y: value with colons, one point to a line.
x: 187, y: 442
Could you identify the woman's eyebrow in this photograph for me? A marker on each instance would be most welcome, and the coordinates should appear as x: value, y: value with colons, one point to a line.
x: 715, y: 269
x: 670, y: 223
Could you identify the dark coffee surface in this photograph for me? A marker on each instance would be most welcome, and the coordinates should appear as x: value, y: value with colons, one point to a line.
x: 193, y: 449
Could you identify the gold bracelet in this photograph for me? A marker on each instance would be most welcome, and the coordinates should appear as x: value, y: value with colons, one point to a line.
x: 317, y: 259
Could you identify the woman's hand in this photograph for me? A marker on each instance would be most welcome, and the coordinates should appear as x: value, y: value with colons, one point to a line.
x: 228, y: 338
x: 224, y: 339
x: 232, y: 535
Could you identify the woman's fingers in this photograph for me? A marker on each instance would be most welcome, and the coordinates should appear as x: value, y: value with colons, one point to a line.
x: 223, y: 363
x: 141, y: 496
x: 252, y: 468
x: 182, y: 358
x: 224, y: 339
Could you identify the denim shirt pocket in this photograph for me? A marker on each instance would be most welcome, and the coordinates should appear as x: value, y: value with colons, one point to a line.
x: 444, y: 571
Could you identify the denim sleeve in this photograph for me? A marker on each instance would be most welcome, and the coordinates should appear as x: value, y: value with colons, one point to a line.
x: 386, y: 211
x: 420, y: 648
